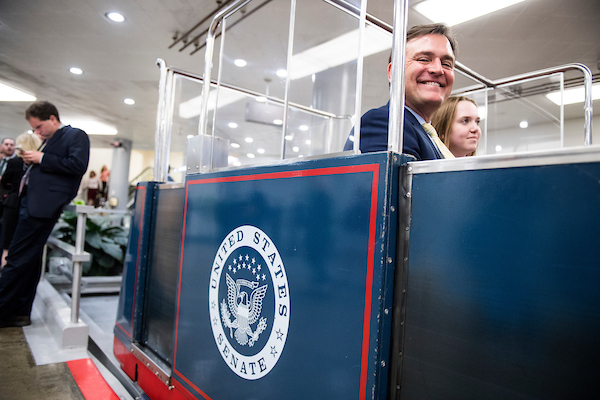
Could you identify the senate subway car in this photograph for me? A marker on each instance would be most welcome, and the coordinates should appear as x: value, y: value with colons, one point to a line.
x: 285, y: 267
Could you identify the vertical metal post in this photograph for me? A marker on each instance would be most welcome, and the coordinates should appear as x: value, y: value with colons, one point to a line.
x: 290, y: 53
x: 79, y: 246
x: 359, y: 75
x: 161, y: 120
x: 396, y: 117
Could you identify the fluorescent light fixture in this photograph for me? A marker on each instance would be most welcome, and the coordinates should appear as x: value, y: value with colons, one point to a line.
x: 76, y: 71
x: 523, y: 124
x: 115, y: 16
x: 574, y: 95
x: 261, y: 99
x: 9, y: 93
x: 235, y: 145
x: 232, y: 125
x: 338, y: 51
x: 249, y: 140
x: 459, y: 11
x: 260, y: 151
x: 288, y: 137
x: 278, y: 122
x: 90, y: 126
x: 191, y: 108
x: 303, y: 127
x: 240, y: 63
x: 250, y: 155
x: 129, y: 101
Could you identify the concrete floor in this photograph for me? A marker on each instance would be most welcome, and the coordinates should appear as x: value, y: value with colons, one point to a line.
x: 33, y: 367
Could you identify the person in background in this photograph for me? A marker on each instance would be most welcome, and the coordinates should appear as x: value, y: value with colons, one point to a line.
x: 457, y: 124
x: 7, y: 153
x: 104, y: 174
x: 10, y: 186
x: 48, y: 184
x: 428, y: 80
x: 93, y: 185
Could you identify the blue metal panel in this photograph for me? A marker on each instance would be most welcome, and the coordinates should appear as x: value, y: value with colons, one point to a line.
x: 319, y: 231
x: 128, y: 320
x: 503, y: 275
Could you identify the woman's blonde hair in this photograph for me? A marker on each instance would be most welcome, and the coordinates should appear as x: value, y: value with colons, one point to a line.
x: 28, y: 141
x: 443, y: 118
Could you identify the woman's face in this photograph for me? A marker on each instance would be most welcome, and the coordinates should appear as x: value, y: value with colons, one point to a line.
x: 465, y: 132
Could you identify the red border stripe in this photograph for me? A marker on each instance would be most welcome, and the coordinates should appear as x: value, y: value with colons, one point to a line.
x: 90, y: 381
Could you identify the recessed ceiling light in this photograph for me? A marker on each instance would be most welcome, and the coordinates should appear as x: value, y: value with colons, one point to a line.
x: 129, y: 101
x: 498, y: 148
x: 308, y: 141
x: 261, y: 151
x: 457, y: 12
x: 278, y: 122
x: 282, y: 73
x: 9, y: 93
x: 232, y: 125
x: 523, y: 124
x: 189, y: 136
x: 115, y: 16
x: 250, y: 155
x: 249, y: 140
x: 235, y: 145
x: 240, y: 63
x: 303, y: 127
x: 295, y: 149
x: 261, y: 99
x: 76, y: 71
x: 288, y: 137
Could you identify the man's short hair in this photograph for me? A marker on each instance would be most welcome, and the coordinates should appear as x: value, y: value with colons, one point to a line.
x: 7, y: 138
x: 430, y: 29
x: 41, y: 110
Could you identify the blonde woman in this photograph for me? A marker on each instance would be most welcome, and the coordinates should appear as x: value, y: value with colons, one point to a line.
x: 10, y: 184
x: 457, y: 124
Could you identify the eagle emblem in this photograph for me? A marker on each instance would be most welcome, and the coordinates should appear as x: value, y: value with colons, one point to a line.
x: 246, y: 310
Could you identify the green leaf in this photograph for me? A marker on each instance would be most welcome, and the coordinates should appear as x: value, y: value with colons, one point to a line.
x: 112, y: 249
x: 93, y: 239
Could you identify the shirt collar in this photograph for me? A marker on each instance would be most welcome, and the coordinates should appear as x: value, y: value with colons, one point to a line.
x: 417, y: 116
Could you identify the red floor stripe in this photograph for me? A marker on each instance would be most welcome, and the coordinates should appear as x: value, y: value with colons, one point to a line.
x: 90, y: 381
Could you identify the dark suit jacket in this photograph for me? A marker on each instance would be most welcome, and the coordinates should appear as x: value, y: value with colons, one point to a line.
x: 54, y: 182
x: 374, y: 135
x: 10, y: 182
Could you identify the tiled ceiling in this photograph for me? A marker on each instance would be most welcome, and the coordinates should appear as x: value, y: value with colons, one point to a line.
x: 41, y: 39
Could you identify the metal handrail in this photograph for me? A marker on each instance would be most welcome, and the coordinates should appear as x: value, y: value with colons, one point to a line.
x: 587, y: 84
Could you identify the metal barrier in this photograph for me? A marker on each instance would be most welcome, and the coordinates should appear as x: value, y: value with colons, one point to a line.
x: 76, y: 253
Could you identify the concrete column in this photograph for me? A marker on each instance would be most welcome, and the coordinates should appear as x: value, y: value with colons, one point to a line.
x: 118, y: 185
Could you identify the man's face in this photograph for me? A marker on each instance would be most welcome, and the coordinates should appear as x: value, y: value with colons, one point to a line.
x: 44, y: 129
x: 8, y: 147
x: 429, y: 73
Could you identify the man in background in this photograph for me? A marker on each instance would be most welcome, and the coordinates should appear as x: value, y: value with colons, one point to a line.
x: 50, y: 182
x: 429, y: 76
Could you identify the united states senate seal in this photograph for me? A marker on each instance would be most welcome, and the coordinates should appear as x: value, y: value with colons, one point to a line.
x: 249, y: 302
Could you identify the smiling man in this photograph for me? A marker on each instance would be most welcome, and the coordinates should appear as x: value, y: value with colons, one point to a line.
x: 428, y: 76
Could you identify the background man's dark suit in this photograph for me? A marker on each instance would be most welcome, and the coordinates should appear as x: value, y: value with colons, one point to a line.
x: 374, y: 135
x: 52, y: 185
